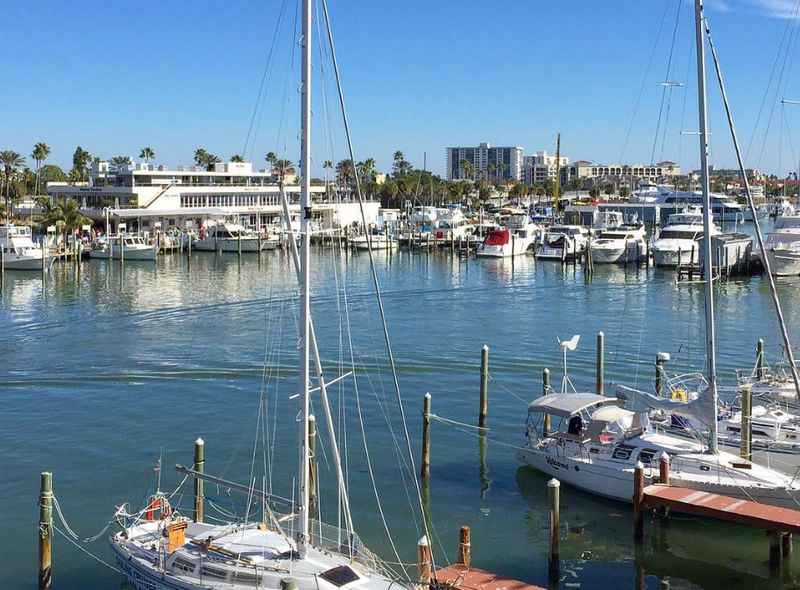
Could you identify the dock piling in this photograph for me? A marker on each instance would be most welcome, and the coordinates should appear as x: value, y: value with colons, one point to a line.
x: 787, y: 546
x: 661, y: 360
x: 199, y: 466
x: 312, y: 467
x: 746, y: 430
x: 760, y: 359
x: 424, y: 561
x: 553, y: 561
x: 464, y: 547
x: 545, y: 391
x: 426, y: 437
x: 484, y: 399
x: 775, y: 551
x: 600, y: 368
x: 663, y: 469
x: 46, y: 531
x: 638, y: 497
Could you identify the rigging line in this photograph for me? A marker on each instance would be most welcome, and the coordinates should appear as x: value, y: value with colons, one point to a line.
x: 769, y: 85
x: 374, y: 273
x: 773, y: 291
x: 264, y: 73
x: 647, y: 69
x: 780, y: 85
x: 86, y: 551
x: 361, y: 425
x: 686, y: 77
x: 666, y: 84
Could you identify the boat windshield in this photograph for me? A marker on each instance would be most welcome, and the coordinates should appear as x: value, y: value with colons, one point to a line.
x: 676, y: 234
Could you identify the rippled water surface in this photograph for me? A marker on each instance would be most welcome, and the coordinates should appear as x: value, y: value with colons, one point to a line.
x: 104, y: 370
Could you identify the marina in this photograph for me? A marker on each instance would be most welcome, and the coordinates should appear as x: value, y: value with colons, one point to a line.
x: 531, y: 372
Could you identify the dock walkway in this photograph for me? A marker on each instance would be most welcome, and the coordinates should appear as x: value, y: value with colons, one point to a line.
x: 460, y: 577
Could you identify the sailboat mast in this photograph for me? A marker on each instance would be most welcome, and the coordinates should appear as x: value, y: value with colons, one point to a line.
x: 708, y: 270
x: 305, y: 257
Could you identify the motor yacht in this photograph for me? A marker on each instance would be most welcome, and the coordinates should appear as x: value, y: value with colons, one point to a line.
x: 679, y: 242
x: 782, y: 246
x: 125, y: 247
x: 230, y: 237
x: 724, y: 208
x: 625, y: 243
x: 516, y: 236
x: 19, y: 250
x: 563, y: 242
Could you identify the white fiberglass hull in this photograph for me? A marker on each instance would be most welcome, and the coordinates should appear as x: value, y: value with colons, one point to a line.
x: 674, y: 255
x: 377, y: 244
x: 514, y: 247
x: 23, y: 261
x: 614, y: 480
x: 147, y: 254
x: 227, y: 245
x: 618, y: 253
x: 784, y: 263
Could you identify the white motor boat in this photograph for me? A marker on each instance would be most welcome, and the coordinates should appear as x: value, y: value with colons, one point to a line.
x: 563, y: 242
x: 594, y: 445
x: 450, y: 224
x: 724, y: 208
x: 783, y: 246
x: 125, y: 247
x: 624, y: 244
x: 229, y: 237
x: 378, y: 241
x: 516, y: 237
x: 19, y: 250
x: 679, y: 242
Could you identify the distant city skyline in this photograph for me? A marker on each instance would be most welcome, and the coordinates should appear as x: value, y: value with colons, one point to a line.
x: 417, y: 78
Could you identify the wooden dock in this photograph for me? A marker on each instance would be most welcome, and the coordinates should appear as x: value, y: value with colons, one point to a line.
x: 462, y: 577
x: 752, y: 514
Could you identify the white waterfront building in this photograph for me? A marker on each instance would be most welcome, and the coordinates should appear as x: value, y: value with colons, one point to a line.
x: 187, y: 197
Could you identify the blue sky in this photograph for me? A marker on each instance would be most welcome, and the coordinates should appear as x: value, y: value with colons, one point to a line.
x: 418, y: 76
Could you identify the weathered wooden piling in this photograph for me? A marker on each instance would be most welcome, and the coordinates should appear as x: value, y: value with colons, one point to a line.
x: 425, y: 468
x: 424, y: 561
x: 553, y: 561
x: 600, y: 367
x: 199, y: 466
x: 663, y: 469
x: 775, y: 551
x: 46, y: 531
x: 661, y: 360
x: 787, y: 546
x: 746, y: 429
x: 760, y: 359
x: 464, y: 547
x: 545, y: 391
x: 638, y: 497
x: 484, y: 399
x: 312, y: 467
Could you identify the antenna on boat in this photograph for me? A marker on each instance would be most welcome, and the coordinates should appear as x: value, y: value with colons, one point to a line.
x: 571, y: 344
x: 708, y: 267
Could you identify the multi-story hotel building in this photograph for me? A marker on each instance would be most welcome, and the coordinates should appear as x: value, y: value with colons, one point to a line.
x: 190, y: 195
x: 583, y: 169
x: 542, y: 167
x: 492, y: 163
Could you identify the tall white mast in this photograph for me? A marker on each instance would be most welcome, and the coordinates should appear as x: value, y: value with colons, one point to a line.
x: 305, y: 236
x: 708, y: 270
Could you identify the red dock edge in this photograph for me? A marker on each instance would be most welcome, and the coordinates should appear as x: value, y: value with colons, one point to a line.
x: 461, y: 577
x: 763, y: 516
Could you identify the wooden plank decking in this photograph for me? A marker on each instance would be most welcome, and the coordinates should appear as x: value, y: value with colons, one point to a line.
x: 763, y: 516
x: 469, y: 578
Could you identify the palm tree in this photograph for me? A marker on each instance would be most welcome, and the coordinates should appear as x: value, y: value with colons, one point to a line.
x: 283, y: 168
x: 11, y: 162
x: 200, y: 156
x: 344, y: 173
x: 80, y: 163
x: 119, y: 161
x: 237, y: 158
x: 147, y: 154
x: 39, y: 154
x: 467, y: 168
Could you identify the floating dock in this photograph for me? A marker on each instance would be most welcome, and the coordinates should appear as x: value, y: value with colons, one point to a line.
x: 462, y: 577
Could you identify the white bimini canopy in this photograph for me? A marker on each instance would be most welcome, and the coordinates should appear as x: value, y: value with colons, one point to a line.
x: 567, y: 404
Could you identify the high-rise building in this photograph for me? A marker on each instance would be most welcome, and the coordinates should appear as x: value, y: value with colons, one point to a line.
x: 542, y: 167
x: 484, y: 161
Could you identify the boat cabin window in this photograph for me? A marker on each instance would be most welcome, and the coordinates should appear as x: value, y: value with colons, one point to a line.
x: 674, y: 234
x: 646, y: 455
x: 213, y: 572
x: 183, y: 564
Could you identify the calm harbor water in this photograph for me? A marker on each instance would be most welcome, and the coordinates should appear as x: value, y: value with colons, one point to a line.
x: 105, y: 370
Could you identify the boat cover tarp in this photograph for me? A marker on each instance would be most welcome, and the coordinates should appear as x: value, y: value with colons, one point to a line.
x: 640, y: 401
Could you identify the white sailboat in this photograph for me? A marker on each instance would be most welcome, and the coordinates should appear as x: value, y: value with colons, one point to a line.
x: 595, y: 444
x: 285, y: 551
